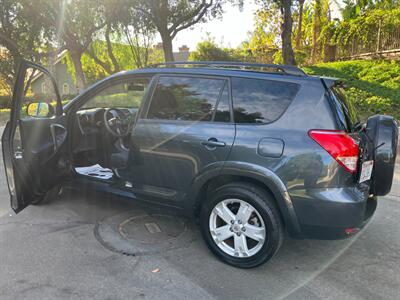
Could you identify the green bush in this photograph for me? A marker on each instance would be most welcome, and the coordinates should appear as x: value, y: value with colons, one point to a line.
x: 208, y: 50
x: 373, y: 85
x: 300, y: 57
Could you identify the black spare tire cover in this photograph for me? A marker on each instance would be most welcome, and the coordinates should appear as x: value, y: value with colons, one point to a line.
x: 383, y: 134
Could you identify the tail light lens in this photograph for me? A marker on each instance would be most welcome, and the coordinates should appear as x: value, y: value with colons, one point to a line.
x: 339, y: 145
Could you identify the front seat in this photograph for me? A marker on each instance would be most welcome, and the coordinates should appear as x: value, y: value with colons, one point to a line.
x: 164, y: 106
x: 119, y: 160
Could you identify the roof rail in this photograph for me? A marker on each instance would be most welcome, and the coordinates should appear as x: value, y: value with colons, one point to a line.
x: 267, y: 68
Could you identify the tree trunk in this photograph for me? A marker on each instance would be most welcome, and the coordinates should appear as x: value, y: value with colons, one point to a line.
x: 287, y: 50
x: 316, y: 28
x: 300, y: 25
x: 80, y: 76
x: 167, y: 47
x: 110, y: 49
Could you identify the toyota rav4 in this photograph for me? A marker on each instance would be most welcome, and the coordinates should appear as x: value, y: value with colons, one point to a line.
x: 250, y: 151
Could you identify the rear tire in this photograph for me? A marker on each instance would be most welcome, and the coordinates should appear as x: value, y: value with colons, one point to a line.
x: 249, y: 233
x: 49, y: 196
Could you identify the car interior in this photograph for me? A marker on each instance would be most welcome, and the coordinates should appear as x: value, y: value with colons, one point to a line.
x: 101, y: 131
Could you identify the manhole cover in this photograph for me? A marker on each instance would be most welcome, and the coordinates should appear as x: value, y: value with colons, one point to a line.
x: 152, y: 229
x: 139, y: 233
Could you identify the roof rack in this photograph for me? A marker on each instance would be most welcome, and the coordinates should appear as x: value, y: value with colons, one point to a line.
x: 243, y: 66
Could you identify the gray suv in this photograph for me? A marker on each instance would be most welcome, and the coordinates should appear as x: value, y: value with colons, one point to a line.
x: 250, y: 151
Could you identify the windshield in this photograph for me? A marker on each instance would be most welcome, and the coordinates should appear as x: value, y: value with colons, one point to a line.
x: 345, y: 108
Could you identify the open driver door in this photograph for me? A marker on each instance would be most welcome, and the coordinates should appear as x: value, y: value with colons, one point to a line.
x: 35, y: 138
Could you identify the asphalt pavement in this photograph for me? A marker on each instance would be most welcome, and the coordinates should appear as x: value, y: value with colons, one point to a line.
x: 62, y: 250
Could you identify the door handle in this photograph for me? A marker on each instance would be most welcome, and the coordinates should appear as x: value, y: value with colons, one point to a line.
x: 212, y: 143
x: 58, y: 134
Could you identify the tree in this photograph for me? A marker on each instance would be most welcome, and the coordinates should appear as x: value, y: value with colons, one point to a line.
x: 170, y: 17
x: 208, y: 50
x: 300, y: 25
x: 321, y: 19
x: 285, y: 8
x: 74, y: 24
x: 97, y: 64
x: 21, y: 36
x: 126, y: 34
x: 316, y: 29
x: 264, y: 40
x: 138, y: 32
x: 286, y: 35
x: 118, y: 29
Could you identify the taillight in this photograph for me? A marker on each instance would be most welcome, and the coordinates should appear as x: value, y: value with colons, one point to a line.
x: 339, y: 145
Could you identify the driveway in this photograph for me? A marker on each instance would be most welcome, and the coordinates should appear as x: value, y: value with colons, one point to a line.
x: 64, y: 250
x: 4, y: 204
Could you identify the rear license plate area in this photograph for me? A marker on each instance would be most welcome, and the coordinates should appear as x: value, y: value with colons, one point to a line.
x: 366, y: 170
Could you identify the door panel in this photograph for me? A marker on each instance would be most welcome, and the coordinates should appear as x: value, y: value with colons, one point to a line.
x: 44, y: 154
x: 171, y: 155
x: 180, y: 136
x: 34, y: 153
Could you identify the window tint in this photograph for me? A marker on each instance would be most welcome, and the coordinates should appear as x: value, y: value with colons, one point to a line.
x: 261, y: 101
x: 345, y: 108
x: 179, y: 98
x: 127, y: 94
x: 223, y: 114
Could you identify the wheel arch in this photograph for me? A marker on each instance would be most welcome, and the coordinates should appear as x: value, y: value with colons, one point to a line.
x: 262, y: 177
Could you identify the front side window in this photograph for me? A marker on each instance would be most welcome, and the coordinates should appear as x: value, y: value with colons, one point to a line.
x: 39, y: 98
x: 259, y: 100
x: 185, y: 98
x: 127, y: 94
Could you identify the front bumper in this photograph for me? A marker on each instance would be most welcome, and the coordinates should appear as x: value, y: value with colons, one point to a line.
x: 333, y: 213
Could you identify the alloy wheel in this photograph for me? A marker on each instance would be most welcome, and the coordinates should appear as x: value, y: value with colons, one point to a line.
x: 237, y: 228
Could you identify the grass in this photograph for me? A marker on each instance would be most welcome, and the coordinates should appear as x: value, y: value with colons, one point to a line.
x: 373, y: 85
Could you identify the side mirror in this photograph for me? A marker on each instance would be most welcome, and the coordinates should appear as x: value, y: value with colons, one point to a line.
x: 39, y: 110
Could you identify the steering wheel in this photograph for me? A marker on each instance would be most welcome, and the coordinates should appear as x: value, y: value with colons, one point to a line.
x: 117, y: 122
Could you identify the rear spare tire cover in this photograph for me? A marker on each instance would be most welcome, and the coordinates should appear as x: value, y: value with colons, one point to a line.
x: 383, y: 133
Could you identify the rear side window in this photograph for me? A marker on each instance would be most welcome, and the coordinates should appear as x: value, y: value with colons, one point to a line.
x: 345, y: 108
x: 261, y: 101
x: 185, y: 98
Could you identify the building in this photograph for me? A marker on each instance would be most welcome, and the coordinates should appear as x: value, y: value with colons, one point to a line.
x: 64, y: 80
x: 182, y: 55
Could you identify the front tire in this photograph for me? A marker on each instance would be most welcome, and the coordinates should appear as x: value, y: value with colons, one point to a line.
x: 242, y: 225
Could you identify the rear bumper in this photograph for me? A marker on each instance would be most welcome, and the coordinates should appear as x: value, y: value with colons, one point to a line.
x: 333, y: 213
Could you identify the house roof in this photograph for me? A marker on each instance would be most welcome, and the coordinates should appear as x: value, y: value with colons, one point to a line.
x: 58, y: 59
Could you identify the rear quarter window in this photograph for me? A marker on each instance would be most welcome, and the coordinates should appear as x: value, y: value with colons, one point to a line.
x: 345, y: 108
x: 261, y: 101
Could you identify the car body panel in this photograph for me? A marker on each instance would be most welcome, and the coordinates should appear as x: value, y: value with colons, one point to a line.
x: 170, y: 154
x: 172, y: 167
x: 303, y: 167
